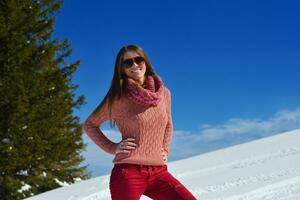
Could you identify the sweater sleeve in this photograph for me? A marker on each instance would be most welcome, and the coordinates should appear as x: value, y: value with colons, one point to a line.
x: 169, y: 127
x: 91, y: 127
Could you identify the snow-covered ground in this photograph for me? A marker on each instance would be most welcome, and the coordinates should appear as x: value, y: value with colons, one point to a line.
x: 265, y: 169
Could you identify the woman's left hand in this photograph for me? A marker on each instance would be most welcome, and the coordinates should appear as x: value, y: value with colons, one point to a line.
x: 164, y: 155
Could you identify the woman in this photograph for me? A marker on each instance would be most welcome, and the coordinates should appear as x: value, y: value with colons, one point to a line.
x: 140, y: 104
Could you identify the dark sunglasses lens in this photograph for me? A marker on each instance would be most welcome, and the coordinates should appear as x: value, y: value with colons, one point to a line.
x: 128, y: 63
x: 139, y: 60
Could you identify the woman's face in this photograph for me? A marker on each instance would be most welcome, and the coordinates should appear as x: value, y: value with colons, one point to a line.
x: 135, y: 71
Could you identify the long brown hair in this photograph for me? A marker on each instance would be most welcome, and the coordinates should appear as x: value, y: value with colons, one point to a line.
x: 117, y: 88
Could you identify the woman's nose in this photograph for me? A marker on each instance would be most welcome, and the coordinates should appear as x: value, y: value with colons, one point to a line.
x: 134, y: 64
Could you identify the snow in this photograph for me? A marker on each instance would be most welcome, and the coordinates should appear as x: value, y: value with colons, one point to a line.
x: 265, y: 169
x: 23, y: 172
x: 24, y: 187
x: 5, y: 140
x: 61, y: 183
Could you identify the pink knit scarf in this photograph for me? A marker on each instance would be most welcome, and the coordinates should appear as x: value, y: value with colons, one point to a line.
x: 149, y: 94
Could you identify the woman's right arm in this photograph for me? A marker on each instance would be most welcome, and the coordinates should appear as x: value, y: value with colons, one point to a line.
x: 91, y: 127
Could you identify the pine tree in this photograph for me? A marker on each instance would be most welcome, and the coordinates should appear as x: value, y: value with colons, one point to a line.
x: 40, y: 138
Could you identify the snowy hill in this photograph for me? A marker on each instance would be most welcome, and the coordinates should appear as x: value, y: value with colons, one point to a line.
x: 265, y: 169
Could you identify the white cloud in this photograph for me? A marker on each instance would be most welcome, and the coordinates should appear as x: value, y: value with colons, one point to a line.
x: 281, y: 121
x: 233, y: 131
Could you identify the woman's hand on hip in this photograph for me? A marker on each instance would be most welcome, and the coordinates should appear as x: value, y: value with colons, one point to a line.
x: 164, y: 155
x: 126, y: 146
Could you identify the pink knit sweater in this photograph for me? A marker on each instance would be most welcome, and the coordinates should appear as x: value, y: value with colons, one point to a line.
x: 151, y: 127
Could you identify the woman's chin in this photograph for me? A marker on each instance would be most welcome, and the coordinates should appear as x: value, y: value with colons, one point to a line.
x: 137, y: 77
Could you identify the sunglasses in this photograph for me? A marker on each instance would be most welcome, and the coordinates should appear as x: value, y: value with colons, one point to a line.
x: 139, y: 60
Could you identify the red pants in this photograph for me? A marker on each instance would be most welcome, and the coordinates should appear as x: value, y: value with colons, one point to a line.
x: 130, y: 181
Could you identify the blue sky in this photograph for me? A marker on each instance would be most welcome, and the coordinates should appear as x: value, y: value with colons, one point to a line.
x: 232, y: 66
